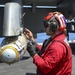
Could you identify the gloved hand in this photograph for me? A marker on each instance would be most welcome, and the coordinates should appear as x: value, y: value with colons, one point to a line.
x: 31, y: 48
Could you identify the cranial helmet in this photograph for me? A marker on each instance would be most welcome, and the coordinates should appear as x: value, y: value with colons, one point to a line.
x: 57, y: 17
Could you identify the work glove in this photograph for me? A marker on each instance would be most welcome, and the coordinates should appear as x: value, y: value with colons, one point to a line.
x: 31, y: 48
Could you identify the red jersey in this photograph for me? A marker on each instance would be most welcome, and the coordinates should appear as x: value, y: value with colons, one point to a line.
x: 56, y: 58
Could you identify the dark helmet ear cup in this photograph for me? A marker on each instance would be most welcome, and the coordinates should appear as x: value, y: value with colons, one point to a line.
x: 53, y: 24
x: 53, y: 27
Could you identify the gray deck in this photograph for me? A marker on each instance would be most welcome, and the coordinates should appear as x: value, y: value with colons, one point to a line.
x: 23, y: 67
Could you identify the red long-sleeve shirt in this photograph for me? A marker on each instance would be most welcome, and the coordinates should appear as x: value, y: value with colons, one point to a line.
x: 56, y: 59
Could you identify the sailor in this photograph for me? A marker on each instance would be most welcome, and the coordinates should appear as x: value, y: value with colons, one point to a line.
x: 54, y: 57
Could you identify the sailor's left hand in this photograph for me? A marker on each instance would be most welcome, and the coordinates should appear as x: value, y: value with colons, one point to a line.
x: 31, y: 48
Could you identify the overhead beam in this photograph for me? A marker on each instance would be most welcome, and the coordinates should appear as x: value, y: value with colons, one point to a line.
x: 29, y: 6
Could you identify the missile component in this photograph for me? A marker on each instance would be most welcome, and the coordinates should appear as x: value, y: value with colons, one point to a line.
x: 13, y: 49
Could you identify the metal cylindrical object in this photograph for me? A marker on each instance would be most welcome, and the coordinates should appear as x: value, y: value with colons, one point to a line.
x: 13, y: 49
x: 12, y: 19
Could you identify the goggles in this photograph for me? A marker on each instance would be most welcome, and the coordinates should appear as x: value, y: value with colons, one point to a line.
x: 45, y: 24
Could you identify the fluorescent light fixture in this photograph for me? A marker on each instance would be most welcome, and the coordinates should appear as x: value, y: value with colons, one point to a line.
x: 46, y: 6
x: 2, y: 5
x: 28, y: 6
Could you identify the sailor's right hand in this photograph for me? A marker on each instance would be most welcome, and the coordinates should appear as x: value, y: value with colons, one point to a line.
x: 29, y: 35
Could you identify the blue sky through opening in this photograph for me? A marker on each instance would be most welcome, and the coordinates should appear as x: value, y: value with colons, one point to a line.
x: 42, y: 36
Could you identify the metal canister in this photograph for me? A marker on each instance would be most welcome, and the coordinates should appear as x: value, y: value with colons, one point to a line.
x: 12, y: 19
